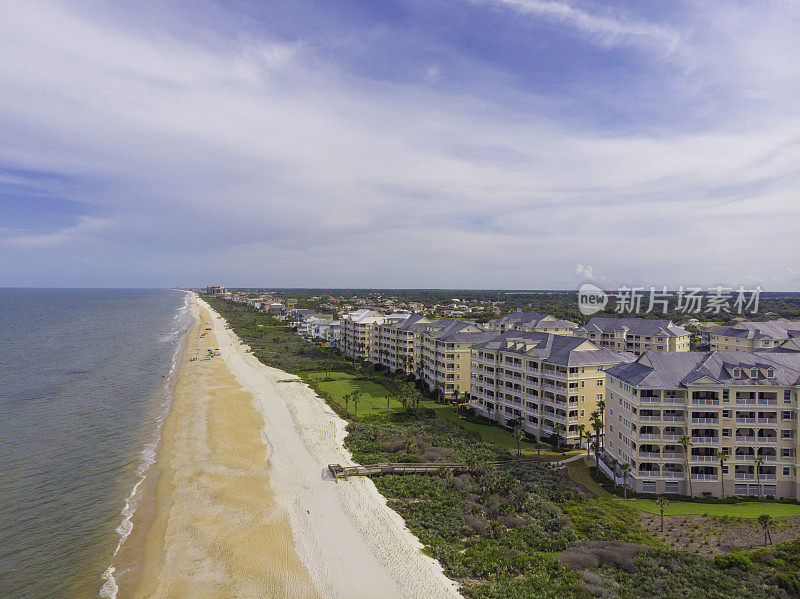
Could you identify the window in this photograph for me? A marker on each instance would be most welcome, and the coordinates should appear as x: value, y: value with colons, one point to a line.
x: 599, y: 382
x: 671, y: 488
x: 599, y: 397
x: 583, y: 384
x: 770, y: 373
x: 726, y: 432
x: 754, y: 373
x: 786, y: 414
x: 582, y: 399
x: 787, y: 471
x: 726, y: 413
x: 725, y: 393
x: 649, y: 487
x: 582, y: 411
x: 724, y: 470
x: 787, y: 434
x: 737, y: 372
x: 787, y: 396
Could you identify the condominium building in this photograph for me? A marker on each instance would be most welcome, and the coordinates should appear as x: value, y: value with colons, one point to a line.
x: 636, y: 335
x: 358, y: 333
x: 397, y: 342
x: 750, y: 336
x: 541, y: 380
x: 444, y: 354
x: 531, y: 322
x: 741, y: 403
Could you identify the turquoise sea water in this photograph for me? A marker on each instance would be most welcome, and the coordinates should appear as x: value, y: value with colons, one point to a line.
x: 85, y: 382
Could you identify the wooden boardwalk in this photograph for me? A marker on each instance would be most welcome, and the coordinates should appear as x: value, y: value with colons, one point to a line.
x: 338, y: 471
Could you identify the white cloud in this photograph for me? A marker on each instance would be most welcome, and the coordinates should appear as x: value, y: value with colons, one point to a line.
x: 608, y: 30
x: 253, y: 159
x: 85, y: 227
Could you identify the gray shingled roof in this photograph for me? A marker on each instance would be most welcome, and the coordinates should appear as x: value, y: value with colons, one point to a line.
x: 636, y: 326
x: 445, y: 329
x: 770, y: 329
x: 556, y: 349
x: 672, y: 370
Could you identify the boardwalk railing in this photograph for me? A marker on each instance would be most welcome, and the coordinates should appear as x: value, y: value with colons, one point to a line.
x: 338, y: 471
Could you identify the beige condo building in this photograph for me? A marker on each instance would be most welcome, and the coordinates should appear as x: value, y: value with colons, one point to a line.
x: 358, y: 333
x: 636, y: 335
x: 741, y: 403
x: 531, y: 322
x: 541, y: 380
x: 751, y: 336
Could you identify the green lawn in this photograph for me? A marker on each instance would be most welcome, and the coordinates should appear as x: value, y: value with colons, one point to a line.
x: 373, y: 401
x: 373, y: 395
x: 497, y: 435
x: 579, y: 472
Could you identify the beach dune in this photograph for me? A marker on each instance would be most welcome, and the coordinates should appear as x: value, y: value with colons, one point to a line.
x: 245, y: 506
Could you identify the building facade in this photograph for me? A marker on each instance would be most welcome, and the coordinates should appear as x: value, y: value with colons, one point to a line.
x: 636, y: 335
x: 751, y: 336
x: 672, y: 415
x: 445, y: 354
x: 541, y: 380
x: 531, y: 322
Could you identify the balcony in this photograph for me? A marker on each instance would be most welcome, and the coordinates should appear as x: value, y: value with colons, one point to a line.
x: 704, y: 458
x: 649, y: 474
x: 767, y: 402
x: 743, y: 476
x: 769, y: 440
x: 705, y: 420
x: 643, y: 455
x: 671, y: 474
x: 649, y: 418
x: 668, y: 437
x: 704, y: 477
x: 672, y: 456
x: 745, y: 439
x: 649, y: 437
x: 745, y: 401
x: 705, y: 402
x: 745, y: 420
x: 672, y: 418
x: 704, y: 440
x: 768, y: 421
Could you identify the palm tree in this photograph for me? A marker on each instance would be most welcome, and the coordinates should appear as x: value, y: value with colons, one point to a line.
x: 588, y: 445
x: 686, y: 442
x: 759, y: 462
x: 519, y: 435
x: 597, y: 425
x: 723, y: 457
x: 765, y: 520
x: 346, y: 398
x: 615, y: 466
x: 355, y: 396
x: 558, y: 429
x: 625, y: 469
x: 661, y: 502
x: 601, y: 407
x: 580, y: 428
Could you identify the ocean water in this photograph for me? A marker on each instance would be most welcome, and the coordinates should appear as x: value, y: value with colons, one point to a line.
x: 85, y: 383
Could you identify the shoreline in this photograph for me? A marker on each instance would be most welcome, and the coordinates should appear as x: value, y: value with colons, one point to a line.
x: 350, y: 542
x: 215, y: 529
x: 242, y: 501
x: 139, y: 506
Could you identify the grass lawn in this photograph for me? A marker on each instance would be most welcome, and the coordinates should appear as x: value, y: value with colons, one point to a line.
x: 373, y: 401
x: 373, y: 395
x: 579, y: 472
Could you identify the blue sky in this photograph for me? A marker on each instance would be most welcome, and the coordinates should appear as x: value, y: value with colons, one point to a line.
x: 418, y: 143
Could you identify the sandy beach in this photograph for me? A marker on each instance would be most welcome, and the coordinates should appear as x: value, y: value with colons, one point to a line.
x: 244, y: 505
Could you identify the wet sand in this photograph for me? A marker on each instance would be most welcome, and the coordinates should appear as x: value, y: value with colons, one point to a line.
x: 216, y: 529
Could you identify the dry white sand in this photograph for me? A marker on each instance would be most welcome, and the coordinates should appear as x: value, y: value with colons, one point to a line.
x: 350, y: 542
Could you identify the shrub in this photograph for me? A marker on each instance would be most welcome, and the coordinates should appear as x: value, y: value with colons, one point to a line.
x: 735, y: 559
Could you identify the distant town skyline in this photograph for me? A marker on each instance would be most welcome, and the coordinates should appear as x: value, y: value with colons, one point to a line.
x: 469, y: 144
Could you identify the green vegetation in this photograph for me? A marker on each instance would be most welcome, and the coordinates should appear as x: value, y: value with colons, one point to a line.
x: 521, y: 530
x: 579, y: 472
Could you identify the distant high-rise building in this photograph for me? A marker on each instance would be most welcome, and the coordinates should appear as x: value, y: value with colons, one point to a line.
x: 215, y: 289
